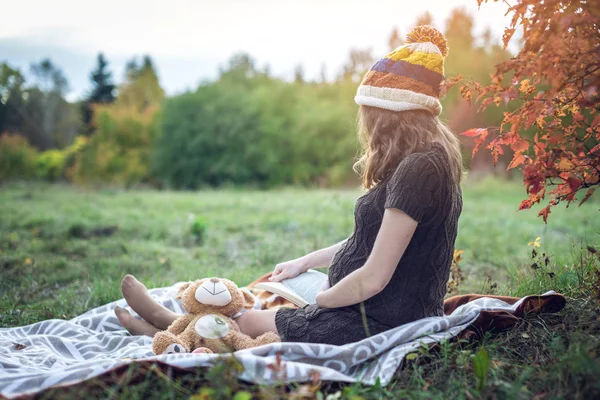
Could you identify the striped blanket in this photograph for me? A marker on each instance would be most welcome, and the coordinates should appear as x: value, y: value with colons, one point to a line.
x: 60, y: 352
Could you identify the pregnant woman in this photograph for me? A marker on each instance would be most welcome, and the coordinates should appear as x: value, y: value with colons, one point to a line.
x: 395, y: 266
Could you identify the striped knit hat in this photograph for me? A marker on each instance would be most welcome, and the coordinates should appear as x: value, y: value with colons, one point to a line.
x: 409, y: 77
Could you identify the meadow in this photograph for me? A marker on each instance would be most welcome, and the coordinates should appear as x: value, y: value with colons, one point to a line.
x: 63, y: 250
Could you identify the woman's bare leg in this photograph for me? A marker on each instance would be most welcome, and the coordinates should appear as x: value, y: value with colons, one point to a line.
x: 134, y: 325
x: 256, y: 322
x: 140, y: 301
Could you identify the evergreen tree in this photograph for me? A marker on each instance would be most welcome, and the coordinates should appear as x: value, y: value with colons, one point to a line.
x: 102, y: 90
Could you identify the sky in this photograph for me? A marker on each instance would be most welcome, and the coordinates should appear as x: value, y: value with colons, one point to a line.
x: 190, y: 39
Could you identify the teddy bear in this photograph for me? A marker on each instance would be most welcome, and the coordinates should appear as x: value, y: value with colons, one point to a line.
x: 208, y: 325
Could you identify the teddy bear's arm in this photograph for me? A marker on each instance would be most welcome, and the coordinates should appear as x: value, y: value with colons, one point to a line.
x: 180, y: 324
x: 240, y: 341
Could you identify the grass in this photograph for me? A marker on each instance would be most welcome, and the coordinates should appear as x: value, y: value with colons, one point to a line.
x: 63, y: 250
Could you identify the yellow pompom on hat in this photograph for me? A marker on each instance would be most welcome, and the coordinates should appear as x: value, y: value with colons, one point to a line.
x: 409, y: 77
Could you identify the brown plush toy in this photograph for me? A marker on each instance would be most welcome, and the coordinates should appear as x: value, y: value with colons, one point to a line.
x: 210, y: 305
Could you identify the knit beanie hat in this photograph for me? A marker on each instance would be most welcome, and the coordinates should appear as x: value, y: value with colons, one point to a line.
x: 409, y: 77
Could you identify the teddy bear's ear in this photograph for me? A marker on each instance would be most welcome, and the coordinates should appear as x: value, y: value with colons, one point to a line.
x: 248, y: 299
x: 181, y: 290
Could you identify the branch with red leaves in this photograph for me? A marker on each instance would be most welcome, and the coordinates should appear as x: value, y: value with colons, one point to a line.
x: 553, y: 86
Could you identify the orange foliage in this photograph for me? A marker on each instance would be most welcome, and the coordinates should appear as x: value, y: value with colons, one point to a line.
x: 554, y: 82
x: 120, y: 149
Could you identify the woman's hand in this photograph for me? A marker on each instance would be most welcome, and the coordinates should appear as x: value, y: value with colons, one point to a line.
x: 289, y: 269
x: 293, y: 268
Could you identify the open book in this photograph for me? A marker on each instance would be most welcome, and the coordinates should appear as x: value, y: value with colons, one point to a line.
x: 301, y: 290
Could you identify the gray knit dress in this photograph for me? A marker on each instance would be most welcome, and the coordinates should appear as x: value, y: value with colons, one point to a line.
x: 422, y: 187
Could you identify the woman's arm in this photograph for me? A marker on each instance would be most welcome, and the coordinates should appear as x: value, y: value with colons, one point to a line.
x: 323, y: 257
x: 318, y: 258
x: 394, y: 235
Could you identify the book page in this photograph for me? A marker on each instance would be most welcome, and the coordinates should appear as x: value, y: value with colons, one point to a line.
x: 307, y: 285
x: 283, y: 291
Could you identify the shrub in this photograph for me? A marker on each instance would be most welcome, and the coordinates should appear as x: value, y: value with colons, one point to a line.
x: 17, y: 158
x: 52, y: 164
x: 119, y: 151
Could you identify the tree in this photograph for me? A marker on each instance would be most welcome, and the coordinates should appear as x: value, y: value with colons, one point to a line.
x: 424, y: 19
x: 102, y: 89
x: 359, y: 62
x: 299, y: 74
x: 44, y: 117
x: 49, y: 78
x: 554, y: 81
x: 141, y: 89
x: 323, y: 73
x: 459, y: 29
x: 395, y: 40
x: 51, y: 85
x: 11, y: 98
x: 240, y: 68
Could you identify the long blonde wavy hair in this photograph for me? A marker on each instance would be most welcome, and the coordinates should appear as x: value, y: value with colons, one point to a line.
x: 387, y: 137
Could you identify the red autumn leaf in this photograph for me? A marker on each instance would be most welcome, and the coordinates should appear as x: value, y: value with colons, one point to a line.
x: 588, y: 194
x: 525, y: 205
x: 508, y: 34
x: 466, y: 94
x: 517, y: 160
x: 474, y: 132
x: 520, y: 145
x: 479, y: 141
x: 496, y: 151
x: 555, y: 139
x: 574, y: 183
x: 544, y: 213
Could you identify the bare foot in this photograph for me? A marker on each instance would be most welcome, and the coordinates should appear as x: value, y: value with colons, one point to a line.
x: 134, y: 325
x: 138, y: 298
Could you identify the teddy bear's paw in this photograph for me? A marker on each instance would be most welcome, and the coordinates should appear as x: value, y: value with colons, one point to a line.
x: 174, y: 348
x: 269, y: 337
x: 202, y: 350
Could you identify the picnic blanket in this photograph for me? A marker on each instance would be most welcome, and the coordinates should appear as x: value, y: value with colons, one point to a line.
x: 59, y: 352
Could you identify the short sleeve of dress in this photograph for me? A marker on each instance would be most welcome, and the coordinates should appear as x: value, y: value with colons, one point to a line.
x: 412, y: 186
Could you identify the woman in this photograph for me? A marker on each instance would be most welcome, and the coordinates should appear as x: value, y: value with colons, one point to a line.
x: 395, y: 266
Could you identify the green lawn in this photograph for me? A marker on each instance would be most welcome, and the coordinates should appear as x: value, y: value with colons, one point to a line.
x: 61, y: 255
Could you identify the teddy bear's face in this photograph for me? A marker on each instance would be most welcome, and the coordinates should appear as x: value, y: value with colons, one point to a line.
x: 213, y: 292
x: 214, y: 295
